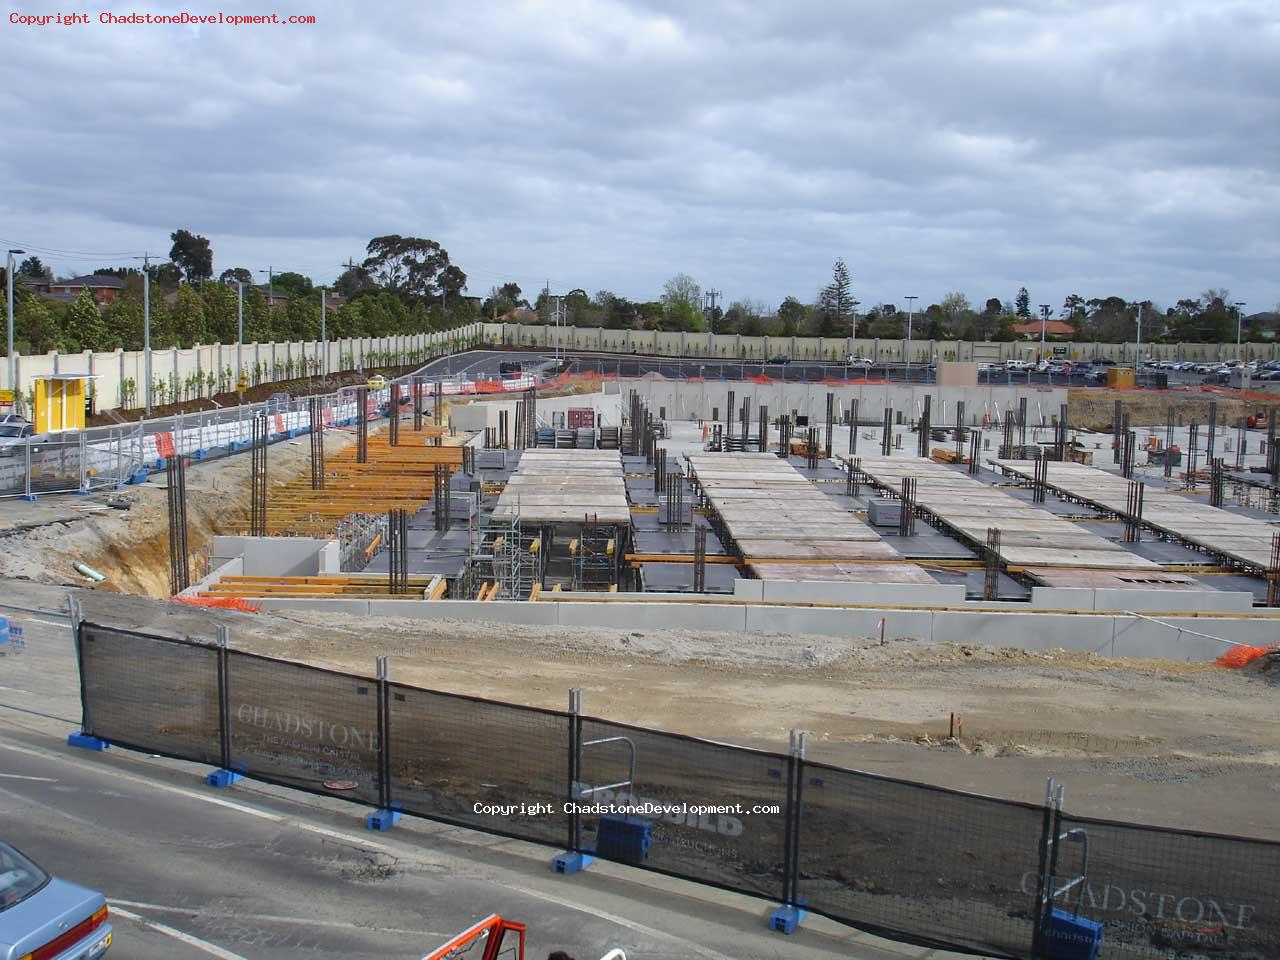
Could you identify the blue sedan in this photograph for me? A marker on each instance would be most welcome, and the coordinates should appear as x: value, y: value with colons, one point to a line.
x: 44, y: 918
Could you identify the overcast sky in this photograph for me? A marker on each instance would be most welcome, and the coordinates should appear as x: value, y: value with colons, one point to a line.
x: 1127, y: 148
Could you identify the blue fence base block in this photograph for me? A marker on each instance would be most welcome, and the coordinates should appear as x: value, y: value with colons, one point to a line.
x: 786, y: 919
x: 161, y: 463
x: 86, y: 742
x: 222, y: 778
x: 138, y: 476
x: 200, y: 454
x: 83, y: 493
x: 382, y: 820
x: 30, y: 497
x: 569, y: 862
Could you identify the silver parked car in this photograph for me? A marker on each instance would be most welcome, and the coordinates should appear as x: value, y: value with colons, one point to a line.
x: 12, y: 437
x: 47, y: 918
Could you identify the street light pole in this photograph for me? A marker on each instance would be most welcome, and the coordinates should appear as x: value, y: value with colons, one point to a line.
x: 1044, y: 322
x: 911, y: 315
x: 239, y: 331
x: 1137, y: 348
x: 1239, y: 323
x: 146, y: 329
x: 13, y: 360
x: 271, y: 289
x: 324, y: 339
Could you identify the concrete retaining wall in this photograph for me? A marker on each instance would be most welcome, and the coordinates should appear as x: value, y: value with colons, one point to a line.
x: 276, y: 361
x: 685, y: 400
x: 835, y: 349
x: 1183, y: 601
x: 276, y: 556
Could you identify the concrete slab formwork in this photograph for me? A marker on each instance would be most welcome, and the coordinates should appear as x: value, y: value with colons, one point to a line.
x: 1239, y: 540
x: 786, y: 529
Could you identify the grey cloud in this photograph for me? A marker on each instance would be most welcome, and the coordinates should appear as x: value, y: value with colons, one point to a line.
x: 1095, y: 147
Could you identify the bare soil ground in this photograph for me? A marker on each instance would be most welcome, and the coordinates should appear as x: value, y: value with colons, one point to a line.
x: 1093, y: 408
x: 130, y: 547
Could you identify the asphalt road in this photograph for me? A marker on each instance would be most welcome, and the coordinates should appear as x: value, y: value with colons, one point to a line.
x: 258, y: 871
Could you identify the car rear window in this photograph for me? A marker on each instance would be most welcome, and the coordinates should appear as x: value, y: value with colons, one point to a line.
x: 10, y: 429
x: 19, y: 877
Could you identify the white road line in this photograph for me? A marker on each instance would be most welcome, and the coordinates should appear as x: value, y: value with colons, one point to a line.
x: 210, y: 948
x: 154, y: 784
x: 629, y: 924
x: 18, y: 776
x: 269, y: 918
x: 359, y: 841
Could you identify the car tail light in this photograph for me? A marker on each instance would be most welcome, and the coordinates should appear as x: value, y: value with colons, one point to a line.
x: 72, y: 936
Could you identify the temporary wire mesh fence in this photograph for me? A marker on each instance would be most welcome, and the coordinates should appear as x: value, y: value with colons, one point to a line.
x: 903, y: 860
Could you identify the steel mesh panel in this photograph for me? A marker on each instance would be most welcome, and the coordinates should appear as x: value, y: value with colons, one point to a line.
x: 918, y: 863
x: 450, y: 753
x: 303, y: 727
x: 1163, y: 893
x: 152, y: 693
x: 741, y: 851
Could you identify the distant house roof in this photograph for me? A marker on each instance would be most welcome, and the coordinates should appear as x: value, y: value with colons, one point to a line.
x: 94, y: 280
x: 1052, y: 328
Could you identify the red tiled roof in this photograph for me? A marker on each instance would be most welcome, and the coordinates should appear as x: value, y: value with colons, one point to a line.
x: 1052, y: 328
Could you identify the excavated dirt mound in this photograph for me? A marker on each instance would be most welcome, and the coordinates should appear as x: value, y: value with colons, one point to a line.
x: 131, y: 547
x: 1094, y: 409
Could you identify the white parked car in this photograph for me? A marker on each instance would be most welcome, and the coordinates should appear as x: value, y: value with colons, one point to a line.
x: 1017, y: 364
x: 13, y: 436
x: 855, y: 361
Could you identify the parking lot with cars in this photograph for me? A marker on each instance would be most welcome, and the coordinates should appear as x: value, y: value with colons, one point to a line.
x: 1049, y: 372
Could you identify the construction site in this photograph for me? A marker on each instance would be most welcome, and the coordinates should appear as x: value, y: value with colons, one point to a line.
x: 951, y: 584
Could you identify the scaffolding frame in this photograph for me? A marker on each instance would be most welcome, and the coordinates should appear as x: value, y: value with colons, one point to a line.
x: 595, y: 555
x: 501, y: 551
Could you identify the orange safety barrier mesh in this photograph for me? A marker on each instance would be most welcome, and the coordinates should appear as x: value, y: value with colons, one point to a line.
x: 1242, y: 656
x: 164, y: 445
x: 229, y: 603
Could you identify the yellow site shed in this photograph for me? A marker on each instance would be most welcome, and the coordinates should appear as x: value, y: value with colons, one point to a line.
x: 59, y: 402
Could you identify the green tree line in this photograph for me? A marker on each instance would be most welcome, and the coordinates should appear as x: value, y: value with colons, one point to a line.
x: 405, y: 286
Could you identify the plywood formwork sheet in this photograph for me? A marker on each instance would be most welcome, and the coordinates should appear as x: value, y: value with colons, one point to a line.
x: 1029, y: 535
x: 787, y: 529
x: 1244, y: 540
x: 566, y: 486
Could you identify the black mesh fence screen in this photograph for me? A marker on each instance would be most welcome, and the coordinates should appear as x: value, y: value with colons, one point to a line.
x: 900, y: 859
x: 1165, y: 893
x: 303, y: 727
x: 739, y: 850
x: 916, y: 863
x: 151, y: 693
x: 491, y: 766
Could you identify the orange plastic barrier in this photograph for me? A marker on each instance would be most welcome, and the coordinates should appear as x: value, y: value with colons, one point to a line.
x: 1238, y: 657
x: 164, y: 445
x: 228, y: 603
